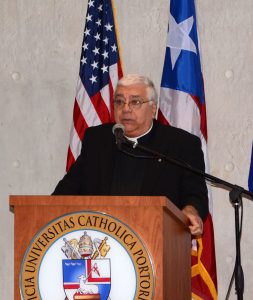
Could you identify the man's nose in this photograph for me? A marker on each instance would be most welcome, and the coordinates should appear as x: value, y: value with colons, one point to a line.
x: 126, y: 107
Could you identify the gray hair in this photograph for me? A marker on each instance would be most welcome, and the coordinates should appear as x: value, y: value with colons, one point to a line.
x: 131, y: 79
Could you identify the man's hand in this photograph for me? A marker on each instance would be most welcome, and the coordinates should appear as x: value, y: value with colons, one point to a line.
x: 196, y: 224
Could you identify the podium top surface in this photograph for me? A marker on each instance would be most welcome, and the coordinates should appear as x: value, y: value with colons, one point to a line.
x: 38, y: 200
x: 94, y: 201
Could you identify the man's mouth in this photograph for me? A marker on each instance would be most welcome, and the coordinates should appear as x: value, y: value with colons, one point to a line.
x: 125, y: 121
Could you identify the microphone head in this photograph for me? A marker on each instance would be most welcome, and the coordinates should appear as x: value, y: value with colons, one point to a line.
x: 118, y: 131
x: 118, y: 128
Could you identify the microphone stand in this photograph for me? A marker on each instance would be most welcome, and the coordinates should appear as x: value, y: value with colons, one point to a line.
x: 235, y: 195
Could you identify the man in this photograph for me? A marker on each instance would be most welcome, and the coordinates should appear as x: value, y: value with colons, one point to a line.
x: 103, y: 169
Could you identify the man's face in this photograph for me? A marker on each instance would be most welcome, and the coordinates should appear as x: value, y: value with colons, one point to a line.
x: 136, y: 120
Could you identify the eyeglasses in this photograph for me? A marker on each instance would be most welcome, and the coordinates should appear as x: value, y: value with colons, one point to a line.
x: 132, y: 104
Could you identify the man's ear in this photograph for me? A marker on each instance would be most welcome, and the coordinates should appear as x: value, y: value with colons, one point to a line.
x: 154, y: 109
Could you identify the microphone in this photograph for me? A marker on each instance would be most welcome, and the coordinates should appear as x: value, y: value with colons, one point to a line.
x: 118, y: 131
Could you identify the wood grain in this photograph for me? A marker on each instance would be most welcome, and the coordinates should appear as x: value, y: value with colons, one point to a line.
x: 158, y: 223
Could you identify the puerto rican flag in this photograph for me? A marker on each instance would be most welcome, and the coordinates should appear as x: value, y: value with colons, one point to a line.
x: 182, y: 104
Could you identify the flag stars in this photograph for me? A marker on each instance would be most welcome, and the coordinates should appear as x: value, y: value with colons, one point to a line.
x: 91, y: 3
x: 98, y: 22
x: 97, y: 36
x: 85, y: 46
x: 94, y: 65
x: 108, y: 27
x: 84, y: 60
x: 100, y: 8
x: 105, y: 54
x: 96, y: 50
x: 114, y: 48
x: 105, y: 40
x: 93, y: 79
x: 104, y: 68
x: 89, y: 18
x: 87, y: 32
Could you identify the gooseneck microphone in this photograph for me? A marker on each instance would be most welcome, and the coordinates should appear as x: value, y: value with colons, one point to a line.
x: 118, y: 131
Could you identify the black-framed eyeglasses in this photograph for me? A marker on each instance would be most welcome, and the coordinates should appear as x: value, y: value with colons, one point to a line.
x: 132, y: 104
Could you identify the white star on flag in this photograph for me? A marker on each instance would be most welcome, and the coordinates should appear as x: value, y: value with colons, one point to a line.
x: 179, y: 39
x: 108, y: 27
x: 91, y: 3
x: 94, y: 65
x: 96, y: 50
x: 97, y: 36
x: 114, y: 48
x: 87, y: 32
x: 93, y: 78
x: 106, y: 40
x: 98, y: 22
x: 88, y: 18
x: 104, y: 68
x: 85, y: 46
x: 84, y: 60
x: 105, y: 54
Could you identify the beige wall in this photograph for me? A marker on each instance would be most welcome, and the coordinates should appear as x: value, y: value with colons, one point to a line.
x: 40, y: 49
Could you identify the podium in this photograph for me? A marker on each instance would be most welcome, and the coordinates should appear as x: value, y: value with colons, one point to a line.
x: 153, y: 221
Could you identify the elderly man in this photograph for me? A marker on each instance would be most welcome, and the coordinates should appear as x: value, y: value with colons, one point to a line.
x: 103, y: 169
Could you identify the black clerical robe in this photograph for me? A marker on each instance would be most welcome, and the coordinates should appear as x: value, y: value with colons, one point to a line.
x: 101, y: 169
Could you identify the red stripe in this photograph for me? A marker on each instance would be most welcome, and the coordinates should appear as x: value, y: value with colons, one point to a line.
x: 101, y: 108
x: 111, y: 91
x: 202, y: 111
x: 120, y: 72
x: 161, y: 118
x: 203, y: 122
x: 111, y: 100
x: 79, y: 121
x: 80, y: 127
x: 70, y: 160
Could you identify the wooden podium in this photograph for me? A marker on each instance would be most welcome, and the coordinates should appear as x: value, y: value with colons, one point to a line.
x: 157, y: 222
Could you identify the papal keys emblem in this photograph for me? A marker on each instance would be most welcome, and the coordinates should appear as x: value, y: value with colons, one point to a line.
x: 86, y: 271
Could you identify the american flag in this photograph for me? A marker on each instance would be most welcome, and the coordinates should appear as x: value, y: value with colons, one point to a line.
x: 100, y: 69
x: 182, y: 104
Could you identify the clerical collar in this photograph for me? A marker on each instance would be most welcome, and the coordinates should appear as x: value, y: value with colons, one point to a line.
x: 134, y: 139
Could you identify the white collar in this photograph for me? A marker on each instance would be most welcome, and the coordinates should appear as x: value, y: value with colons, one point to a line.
x: 134, y: 139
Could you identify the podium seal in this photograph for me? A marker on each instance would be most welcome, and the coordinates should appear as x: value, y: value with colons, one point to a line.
x: 86, y: 255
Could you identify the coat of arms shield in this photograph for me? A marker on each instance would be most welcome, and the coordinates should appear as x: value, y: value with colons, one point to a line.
x: 86, y: 278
